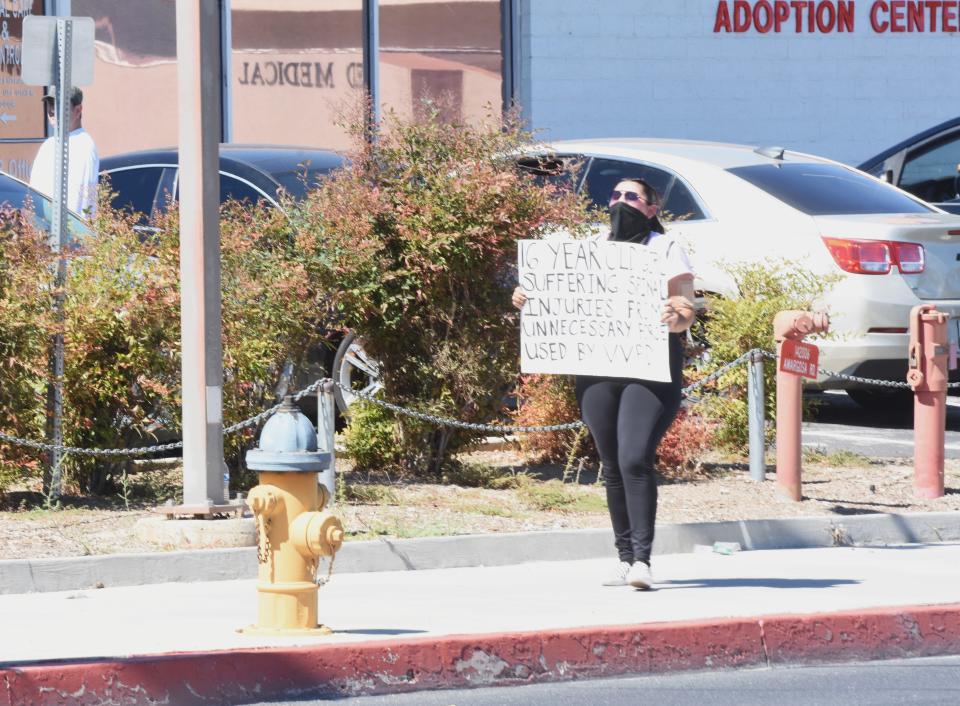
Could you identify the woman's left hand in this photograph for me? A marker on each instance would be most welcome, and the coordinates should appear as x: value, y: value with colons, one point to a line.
x: 678, y: 314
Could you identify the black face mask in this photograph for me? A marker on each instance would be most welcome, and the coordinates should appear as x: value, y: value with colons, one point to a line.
x: 628, y: 225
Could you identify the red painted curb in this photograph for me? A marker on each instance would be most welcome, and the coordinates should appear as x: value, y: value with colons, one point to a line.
x: 244, y: 676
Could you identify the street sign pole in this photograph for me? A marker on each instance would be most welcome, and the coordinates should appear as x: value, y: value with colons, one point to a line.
x: 198, y: 76
x: 58, y: 52
x: 58, y: 234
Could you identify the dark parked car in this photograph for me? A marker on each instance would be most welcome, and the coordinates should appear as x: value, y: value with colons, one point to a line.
x: 145, y: 180
x: 927, y: 165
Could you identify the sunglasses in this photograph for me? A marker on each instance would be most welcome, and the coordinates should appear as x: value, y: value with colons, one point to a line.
x: 630, y: 196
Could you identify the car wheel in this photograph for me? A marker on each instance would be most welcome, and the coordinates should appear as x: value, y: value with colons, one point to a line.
x: 353, y: 370
x: 883, y: 399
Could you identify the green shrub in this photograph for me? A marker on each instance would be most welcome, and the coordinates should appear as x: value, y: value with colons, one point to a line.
x: 738, y: 324
x: 555, y: 496
x: 481, y: 475
x: 548, y: 495
x: 370, y: 494
x: 415, y: 243
x: 369, y: 439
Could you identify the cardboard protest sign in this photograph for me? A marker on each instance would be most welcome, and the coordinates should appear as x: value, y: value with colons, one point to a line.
x: 593, y: 308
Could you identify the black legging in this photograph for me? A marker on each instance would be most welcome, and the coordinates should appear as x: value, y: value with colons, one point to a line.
x: 627, y: 418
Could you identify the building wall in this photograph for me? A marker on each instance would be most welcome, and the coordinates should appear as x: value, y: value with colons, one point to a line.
x: 656, y: 68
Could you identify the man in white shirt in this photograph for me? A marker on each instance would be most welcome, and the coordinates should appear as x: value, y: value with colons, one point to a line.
x: 84, y: 162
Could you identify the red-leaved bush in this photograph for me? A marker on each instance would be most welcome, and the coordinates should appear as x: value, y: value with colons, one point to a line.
x: 415, y: 243
x: 544, y: 400
x: 681, y: 450
x: 122, y: 332
x: 26, y: 324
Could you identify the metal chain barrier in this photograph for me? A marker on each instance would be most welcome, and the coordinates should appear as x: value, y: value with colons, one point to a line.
x: 455, y: 423
x: 504, y: 429
x: 147, y: 450
x: 717, y: 374
x: 426, y: 417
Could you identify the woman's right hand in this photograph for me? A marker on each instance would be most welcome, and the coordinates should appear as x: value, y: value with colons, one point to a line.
x: 518, y: 298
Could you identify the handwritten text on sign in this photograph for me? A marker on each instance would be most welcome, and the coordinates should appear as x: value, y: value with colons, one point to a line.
x: 593, y: 308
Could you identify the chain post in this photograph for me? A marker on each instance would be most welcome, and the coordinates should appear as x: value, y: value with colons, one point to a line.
x: 756, y: 404
x: 326, y: 430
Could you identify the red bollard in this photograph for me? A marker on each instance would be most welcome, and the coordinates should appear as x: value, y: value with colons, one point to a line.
x: 927, y: 375
x: 791, y: 369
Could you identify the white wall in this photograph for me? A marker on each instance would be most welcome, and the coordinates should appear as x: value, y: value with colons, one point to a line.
x: 606, y: 68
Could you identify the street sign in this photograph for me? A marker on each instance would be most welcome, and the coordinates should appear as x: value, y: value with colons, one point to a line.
x: 799, y: 358
x: 39, y: 61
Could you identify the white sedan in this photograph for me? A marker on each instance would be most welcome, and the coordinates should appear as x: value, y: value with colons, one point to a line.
x: 737, y: 203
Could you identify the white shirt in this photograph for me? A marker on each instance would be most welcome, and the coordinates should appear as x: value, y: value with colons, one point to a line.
x: 675, y: 258
x: 84, y: 168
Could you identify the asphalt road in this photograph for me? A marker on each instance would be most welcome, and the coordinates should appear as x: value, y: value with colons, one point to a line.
x: 918, y: 681
x: 840, y: 424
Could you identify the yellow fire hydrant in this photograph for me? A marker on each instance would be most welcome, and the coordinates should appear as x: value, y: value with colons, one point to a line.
x: 293, y: 529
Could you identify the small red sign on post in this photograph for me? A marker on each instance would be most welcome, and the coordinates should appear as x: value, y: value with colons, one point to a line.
x: 799, y: 358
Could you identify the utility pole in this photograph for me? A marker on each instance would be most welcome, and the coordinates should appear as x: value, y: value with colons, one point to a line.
x: 198, y: 77
x: 371, y: 59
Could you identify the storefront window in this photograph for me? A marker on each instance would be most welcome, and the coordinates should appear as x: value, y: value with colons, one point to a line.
x: 132, y: 102
x: 295, y: 70
x: 442, y: 53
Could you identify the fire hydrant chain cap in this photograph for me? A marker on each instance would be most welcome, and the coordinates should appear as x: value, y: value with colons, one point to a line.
x: 288, y: 442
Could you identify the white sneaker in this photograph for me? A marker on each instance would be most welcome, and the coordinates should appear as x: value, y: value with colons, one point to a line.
x: 639, y: 576
x: 619, y: 575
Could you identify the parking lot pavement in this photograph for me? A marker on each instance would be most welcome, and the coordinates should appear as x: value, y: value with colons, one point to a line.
x: 842, y: 425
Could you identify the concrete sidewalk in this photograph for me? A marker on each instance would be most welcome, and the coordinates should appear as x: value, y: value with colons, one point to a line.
x: 492, y: 549
x: 402, y: 630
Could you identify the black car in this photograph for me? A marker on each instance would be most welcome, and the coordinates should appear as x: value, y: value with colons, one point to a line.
x: 927, y: 165
x: 143, y: 181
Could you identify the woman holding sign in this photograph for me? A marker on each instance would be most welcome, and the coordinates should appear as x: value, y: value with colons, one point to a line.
x: 628, y: 417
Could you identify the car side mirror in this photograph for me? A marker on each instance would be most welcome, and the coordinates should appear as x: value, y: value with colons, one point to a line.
x: 888, y: 176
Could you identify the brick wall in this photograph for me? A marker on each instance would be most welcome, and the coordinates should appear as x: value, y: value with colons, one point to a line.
x: 604, y: 68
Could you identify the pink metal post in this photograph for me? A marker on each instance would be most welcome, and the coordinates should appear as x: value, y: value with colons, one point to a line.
x: 929, y: 350
x: 792, y: 325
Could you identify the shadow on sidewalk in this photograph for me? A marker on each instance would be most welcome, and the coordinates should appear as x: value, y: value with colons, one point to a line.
x: 757, y: 583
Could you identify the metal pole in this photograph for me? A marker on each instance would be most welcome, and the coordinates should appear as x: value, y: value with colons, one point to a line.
x: 226, y: 61
x: 58, y: 233
x: 198, y: 77
x: 507, y: 12
x: 326, y: 409
x: 755, y: 402
x: 371, y: 57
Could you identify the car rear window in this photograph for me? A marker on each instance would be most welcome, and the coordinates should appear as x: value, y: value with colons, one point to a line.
x: 827, y: 189
x: 298, y: 182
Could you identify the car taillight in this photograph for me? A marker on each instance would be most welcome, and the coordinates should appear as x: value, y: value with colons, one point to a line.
x: 863, y: 257
x: 876, y: 257
x: 908, y: 257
